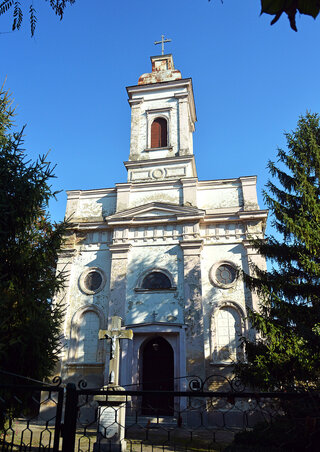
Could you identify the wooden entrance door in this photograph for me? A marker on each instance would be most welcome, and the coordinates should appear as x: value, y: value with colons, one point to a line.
x: 157, y: 375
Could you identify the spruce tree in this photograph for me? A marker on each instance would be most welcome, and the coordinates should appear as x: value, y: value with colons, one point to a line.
x: 29, y: 245
x: 286, y: 353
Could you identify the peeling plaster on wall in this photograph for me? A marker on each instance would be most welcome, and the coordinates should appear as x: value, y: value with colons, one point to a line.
x: 193, y: 315
x: 77, y: 298
x: 255, y: 228
x: 141, y: 306
x: 118, y: 280
x: 220, y: 197
x: 213, y: 295
x: 144, y: 124
x: 89, y: 207
x: 171, y: 196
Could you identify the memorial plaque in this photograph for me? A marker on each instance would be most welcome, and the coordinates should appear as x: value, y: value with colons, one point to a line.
x: 108, y: 422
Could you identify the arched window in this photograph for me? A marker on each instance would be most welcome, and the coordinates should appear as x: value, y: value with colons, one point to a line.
x: 228, y: 332
x: 159, y: 132
x: 87, y: 343
x: 156, y: 280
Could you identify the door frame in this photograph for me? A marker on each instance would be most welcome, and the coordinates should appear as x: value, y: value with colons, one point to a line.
x: 131, y: 355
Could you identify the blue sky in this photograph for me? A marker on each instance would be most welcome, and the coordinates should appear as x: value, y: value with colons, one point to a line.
x: 251, y: 82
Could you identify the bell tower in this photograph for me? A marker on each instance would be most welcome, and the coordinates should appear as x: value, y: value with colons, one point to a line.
x: 163, y: 120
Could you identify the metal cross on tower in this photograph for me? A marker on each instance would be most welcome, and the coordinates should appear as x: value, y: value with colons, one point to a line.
x: 163, y: 40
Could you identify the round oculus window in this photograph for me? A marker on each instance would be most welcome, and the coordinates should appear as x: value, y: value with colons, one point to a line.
x: 223, y: 274
x: 92, y: 281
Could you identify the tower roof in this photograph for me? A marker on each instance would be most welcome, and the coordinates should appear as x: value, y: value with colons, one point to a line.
x: 162, y: 71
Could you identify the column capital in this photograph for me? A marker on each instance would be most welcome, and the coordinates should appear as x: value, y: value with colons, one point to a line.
x: 66, y: 254
x: 136, y: 102
x: 250, y: 248
x: 123, y: 186
x: 189, y: 181
x: 120, y: 250
x: 181, y: 96
x: 192, y: 247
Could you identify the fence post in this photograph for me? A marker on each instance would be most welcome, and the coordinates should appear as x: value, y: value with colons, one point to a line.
x: 57, y: 429
x: 70, y: 418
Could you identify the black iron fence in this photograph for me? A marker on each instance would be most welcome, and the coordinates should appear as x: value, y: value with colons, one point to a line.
x: 67, y: 419
x: 31, y: 417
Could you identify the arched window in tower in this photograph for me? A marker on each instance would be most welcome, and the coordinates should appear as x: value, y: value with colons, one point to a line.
x: 156, y: 281
x: 87, y: 346
x: 159, y: 133
x: 228, y: 332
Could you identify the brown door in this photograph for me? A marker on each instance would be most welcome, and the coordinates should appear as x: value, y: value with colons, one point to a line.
x: 157, y: 375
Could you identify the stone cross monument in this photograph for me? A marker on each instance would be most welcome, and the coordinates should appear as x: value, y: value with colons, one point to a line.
x: 115, y: 334
x: 112, y: 408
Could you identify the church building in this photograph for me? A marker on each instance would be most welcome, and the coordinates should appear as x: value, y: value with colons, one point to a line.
x: 161, y: 250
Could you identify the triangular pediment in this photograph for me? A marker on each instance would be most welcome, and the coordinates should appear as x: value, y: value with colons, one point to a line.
x: 156, y: 211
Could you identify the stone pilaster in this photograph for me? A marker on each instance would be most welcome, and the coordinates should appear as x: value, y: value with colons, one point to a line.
x: 249, y: 192
x: 189, y: 187
x: 254, y: 258
x: 72, y: 204
x: 118, y: 279
x: 135, y: 105
x: 123, y: 196
x: 193, y: 309
x: 64, y: 267
x: 184, y: 129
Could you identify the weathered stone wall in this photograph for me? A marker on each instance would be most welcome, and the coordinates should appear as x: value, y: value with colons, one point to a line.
x: 84, y: 259
x: 154, y: 306
x: 214, y: 296
x: 193, y: 307
x: 171, y: 194
x: 90, y: 205
x: 219, y: 195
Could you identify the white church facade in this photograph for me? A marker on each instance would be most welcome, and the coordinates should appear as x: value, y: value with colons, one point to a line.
x: 162, y: 251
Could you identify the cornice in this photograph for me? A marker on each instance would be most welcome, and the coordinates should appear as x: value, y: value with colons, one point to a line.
x: 172, y: 183
x: 90, y: 193
x: 192, y: 247
x: 237, y: 180
x: 162, y: 161
x: 147, y: 325
x: 248, y: 180
x: 87, y: 225
x: 180, y: 83
x: 120, y: 248
x: 159, y: 86
x: 238, y: 215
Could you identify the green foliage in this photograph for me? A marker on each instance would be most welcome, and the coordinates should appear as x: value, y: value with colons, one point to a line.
x: 6, y: 114
x: 29, y: 244
x: 58, y: 6
x: 287, y: 353
x: 290, y: 7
